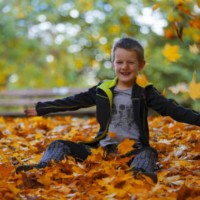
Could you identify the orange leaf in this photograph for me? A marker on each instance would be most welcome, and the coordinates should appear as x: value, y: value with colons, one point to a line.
x: 195, y: 23
x: 171, y: 52
x: 142, y: 80
x: 194, y: 88
x: 156, y: 6
x: 198, y: 3
x: 5, y: 170
x: 125, y: 146
x: 169, y: 33
x: 112, y: 135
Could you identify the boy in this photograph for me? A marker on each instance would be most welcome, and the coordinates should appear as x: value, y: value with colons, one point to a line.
x: 121, y: 108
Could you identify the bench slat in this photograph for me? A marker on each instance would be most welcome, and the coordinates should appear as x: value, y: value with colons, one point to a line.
x: 13, y: 102
x: 42, y: 92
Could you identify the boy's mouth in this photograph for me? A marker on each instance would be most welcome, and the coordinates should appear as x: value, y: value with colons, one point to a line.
x: 125, y: 73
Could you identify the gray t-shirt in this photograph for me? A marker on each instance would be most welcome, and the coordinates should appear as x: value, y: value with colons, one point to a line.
x: 122, y: 123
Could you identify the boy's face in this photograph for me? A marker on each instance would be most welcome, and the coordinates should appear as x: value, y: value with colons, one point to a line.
x: 126, y: 66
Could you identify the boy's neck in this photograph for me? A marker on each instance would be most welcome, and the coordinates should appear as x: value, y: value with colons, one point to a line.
x: 123, y: 86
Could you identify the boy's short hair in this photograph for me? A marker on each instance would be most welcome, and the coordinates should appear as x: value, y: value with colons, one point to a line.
x: 128, y: 43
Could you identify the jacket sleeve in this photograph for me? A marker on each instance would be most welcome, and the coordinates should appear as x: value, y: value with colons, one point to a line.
x: 71, y: 103
x: 169, y: 107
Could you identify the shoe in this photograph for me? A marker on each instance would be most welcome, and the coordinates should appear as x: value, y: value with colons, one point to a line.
x: 151, y: 175
x: 29, y: 167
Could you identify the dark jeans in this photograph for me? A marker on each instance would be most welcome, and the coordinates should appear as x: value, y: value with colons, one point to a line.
x: 145, y: 158
x: 58, y: 149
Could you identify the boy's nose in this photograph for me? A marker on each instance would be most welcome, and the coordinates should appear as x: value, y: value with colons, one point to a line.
x: 125, y: 65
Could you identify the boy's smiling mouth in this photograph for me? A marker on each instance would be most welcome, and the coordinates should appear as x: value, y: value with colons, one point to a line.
x: 125, y: 73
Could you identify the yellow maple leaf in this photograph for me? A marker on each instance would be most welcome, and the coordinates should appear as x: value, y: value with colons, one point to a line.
x: 171, y: 52
x: 125, y: 146
x: 194, y: 88
x: 142, y: 80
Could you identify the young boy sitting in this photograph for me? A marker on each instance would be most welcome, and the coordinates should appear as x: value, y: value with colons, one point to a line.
x: 121, y: 108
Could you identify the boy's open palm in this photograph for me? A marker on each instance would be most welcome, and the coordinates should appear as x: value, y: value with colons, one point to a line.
x: 30, y: 112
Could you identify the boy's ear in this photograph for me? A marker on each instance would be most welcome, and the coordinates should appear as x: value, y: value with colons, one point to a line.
x: 142, y: 64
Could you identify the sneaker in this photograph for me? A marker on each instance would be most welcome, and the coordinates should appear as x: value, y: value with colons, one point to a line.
x: 29, y: 167
x: 151, y: 175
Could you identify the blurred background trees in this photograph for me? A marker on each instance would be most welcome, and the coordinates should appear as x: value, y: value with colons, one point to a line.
x: 48, y: 43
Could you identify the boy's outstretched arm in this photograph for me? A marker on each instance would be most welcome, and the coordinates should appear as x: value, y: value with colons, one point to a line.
x: 169, y: 107
x: 30, y: 112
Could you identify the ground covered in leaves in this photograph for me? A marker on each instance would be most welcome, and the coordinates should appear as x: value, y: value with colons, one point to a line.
x: 23, y: 140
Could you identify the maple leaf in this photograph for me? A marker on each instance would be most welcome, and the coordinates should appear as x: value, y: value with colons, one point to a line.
x: 179, y: 87
x: 97, y: 177
x: 194, y: 49
x: 96, y: 155
x: 142, y: 80
x: 125, y: 146
x: 194, y: 88
x: 5, y: 170
x: 171, y: 52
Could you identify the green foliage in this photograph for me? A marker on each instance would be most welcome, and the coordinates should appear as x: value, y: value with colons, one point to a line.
x: 55, y: 43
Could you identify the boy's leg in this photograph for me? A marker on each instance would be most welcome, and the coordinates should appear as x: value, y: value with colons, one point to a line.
x: 145, y: 162
x: 57, y: 151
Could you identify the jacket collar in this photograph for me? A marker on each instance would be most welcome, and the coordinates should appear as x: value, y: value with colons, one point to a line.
x: 107, y: 86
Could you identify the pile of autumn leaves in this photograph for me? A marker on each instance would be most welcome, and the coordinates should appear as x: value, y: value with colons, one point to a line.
x: 23, y: 140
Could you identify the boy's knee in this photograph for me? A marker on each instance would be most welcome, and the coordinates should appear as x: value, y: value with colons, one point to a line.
x: 146, y: 159
x: 59, y: 144
x: 56, y: 143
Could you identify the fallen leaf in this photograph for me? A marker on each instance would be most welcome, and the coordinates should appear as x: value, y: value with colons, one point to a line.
x: 96, y: 177
x: 5, y: 170
x: 125, y: 146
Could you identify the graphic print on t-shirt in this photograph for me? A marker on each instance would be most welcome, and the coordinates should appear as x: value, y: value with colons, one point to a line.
x: 123, y: 122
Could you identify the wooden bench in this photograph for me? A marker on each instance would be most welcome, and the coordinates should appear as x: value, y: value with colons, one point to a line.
x: 13, y: 102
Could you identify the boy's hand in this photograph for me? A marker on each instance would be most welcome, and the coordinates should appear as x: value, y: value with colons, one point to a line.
x: 30, y: 112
